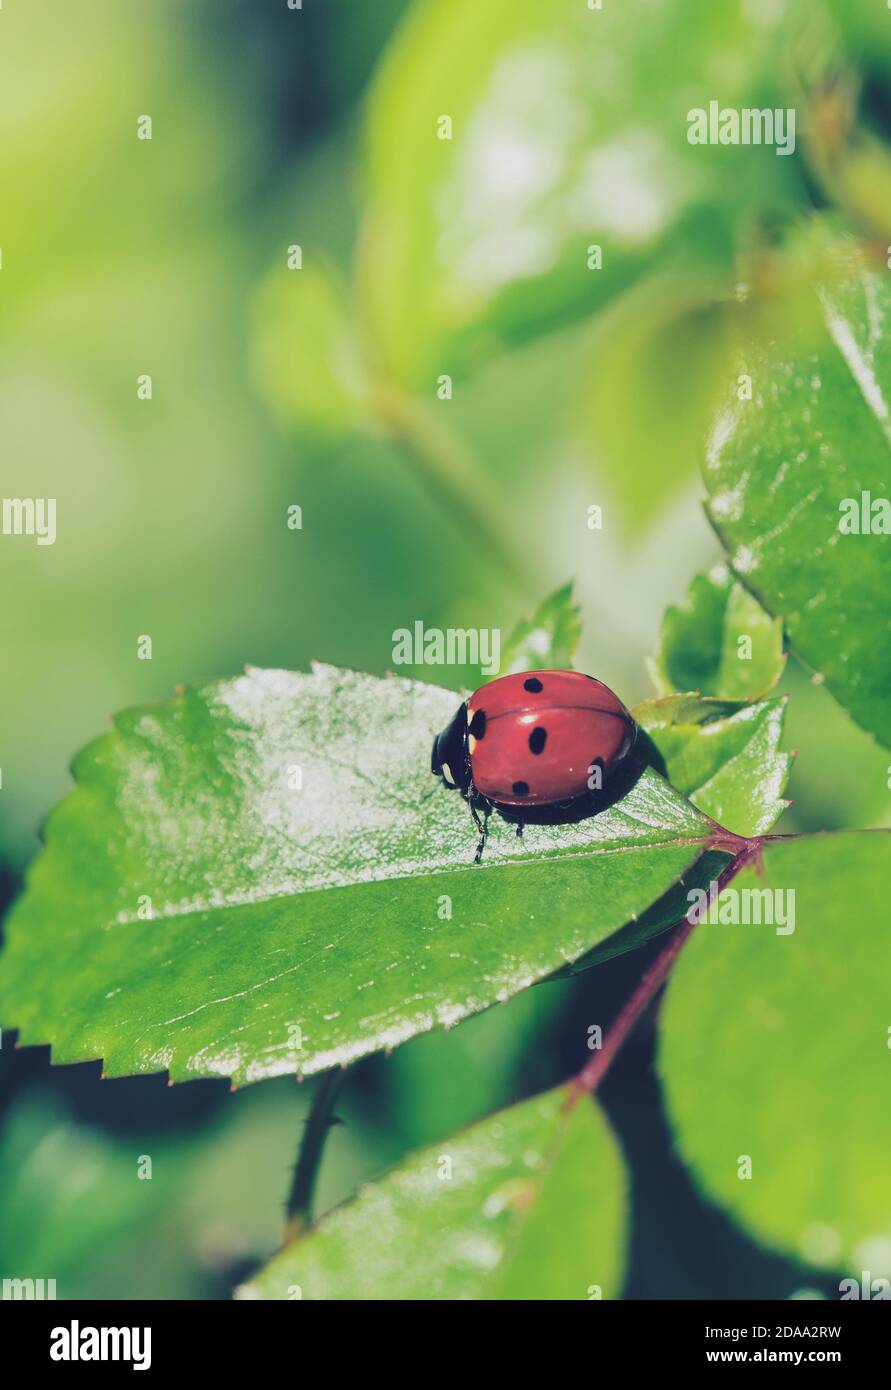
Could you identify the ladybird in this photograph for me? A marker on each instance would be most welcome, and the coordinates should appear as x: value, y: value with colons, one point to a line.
x: 532, y: 740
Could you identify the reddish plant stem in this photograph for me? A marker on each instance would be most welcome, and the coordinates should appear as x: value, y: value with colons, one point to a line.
x: 654, y: 977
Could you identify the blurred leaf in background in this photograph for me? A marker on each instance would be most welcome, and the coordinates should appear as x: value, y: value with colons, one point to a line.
x: 504, y: 140
x: 120, y: 259
x: 652, y: 368
x: 307, y: 360
x: 75, y: 1208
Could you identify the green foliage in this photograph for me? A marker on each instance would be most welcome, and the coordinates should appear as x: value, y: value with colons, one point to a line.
x: 567, y: 129
x: 632, y: 382
x: 76, y: 1209
x: 527, y: 1204
x: 670, y: 909
x: 261, y: 877
x: 447, y: 1080
x: 840, y: 777
x: 783, y: 466
x: 721, y: 748
x: 307, y: 360
x: 719, y: 641
x: 101, y: 286
x: 776, y: 1047
x: 294, y: 929
x: 726, y: 758
x: 548, y: 639
x: 69, y: 1207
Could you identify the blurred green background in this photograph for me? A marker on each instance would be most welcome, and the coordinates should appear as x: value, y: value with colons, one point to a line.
x: 570, y: 387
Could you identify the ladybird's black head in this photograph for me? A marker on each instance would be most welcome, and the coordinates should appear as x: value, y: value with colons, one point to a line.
x: 450, y: 759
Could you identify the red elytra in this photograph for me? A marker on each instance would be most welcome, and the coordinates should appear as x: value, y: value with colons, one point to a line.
x: 533, y: 739
x: 540, y: 734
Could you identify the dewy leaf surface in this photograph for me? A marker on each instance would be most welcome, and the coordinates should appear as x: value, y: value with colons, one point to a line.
x: 295, y: 927
x: 776, y: 1047
x: 781, y: 468
x: 527, y: 1204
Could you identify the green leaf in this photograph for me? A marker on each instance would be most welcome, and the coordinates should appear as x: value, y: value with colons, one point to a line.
x: 776, y: 1047
x: 719, y: 641
x: 659, y: 353
x: 548, y: 640
x: 669, y: 911
x: 780, y: 468
x: 75, y: 1210
x: 527, y: 1204
x: 306, y: 358
x: 69, y: 1193
x: 297, y: 929
x: 568, y: 130
x: 840, y: 777
x: 726, y: 759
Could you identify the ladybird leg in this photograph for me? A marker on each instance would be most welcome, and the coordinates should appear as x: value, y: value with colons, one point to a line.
x: 482, y: 827
x: 520, y: 824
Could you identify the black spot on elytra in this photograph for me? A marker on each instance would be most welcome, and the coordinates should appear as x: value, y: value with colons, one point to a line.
x: 537, y: 740
x: 533, y: 684
x: 520, y: 789
x: 477, y: 725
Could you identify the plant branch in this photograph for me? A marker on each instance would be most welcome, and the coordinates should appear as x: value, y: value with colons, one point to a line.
x: 319, y: 1121
x: 654, y: 977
